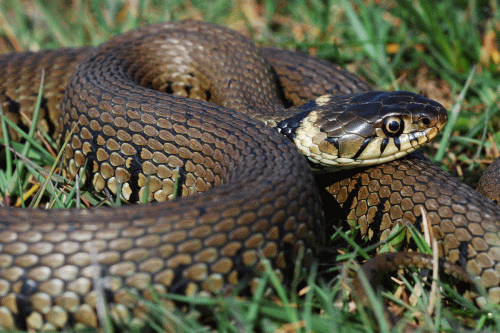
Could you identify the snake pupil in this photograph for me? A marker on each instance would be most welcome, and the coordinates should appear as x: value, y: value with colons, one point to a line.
x: 393, y: 126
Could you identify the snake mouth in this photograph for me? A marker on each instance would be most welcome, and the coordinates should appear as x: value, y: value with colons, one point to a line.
x: 392, y: 149
x: 370, y: 151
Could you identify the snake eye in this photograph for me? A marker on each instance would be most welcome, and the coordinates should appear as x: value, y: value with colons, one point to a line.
x: 393, y: 126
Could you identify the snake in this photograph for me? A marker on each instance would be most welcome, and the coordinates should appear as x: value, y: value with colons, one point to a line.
x: 240, y: 128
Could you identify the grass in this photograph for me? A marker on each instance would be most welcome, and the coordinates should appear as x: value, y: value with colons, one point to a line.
x: 446, y: 50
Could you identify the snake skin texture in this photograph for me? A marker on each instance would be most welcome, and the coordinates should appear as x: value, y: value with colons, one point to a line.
x: 489, y: 184
x: 261, y: 204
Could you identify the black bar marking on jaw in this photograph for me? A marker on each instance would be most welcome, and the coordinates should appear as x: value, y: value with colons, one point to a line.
x: 397, y: 143
x: 412, y: 137
x: 335, y: 142
x: 383, y: 145
x: 362, y: 148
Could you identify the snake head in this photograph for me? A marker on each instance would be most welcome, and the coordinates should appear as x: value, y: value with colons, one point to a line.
x: 347, y: 131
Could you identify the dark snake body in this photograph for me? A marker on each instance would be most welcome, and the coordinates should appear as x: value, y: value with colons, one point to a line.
x: 203, y: 244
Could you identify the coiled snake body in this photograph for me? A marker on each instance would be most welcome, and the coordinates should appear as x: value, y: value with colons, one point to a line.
x: 261, y: 202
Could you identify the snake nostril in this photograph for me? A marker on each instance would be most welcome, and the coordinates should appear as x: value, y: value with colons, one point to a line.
x: 426, y: 121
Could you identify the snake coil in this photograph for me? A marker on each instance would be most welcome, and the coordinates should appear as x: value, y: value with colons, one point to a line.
x: 258, y: 197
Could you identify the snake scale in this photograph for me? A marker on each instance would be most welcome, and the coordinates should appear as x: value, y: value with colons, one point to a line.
x: 259, y: 199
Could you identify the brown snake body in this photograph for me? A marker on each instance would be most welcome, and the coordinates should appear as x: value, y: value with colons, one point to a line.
x: 260, y: 205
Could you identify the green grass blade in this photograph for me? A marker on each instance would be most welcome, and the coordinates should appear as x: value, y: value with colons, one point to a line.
x: 445, y: 140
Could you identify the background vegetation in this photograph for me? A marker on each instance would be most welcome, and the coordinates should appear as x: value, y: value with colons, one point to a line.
x: 446, y: 50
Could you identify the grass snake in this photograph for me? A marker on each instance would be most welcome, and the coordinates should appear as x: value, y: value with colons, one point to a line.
x: 258, y: 196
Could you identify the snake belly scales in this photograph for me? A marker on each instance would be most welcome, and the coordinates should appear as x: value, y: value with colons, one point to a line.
x: 260, y: 201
